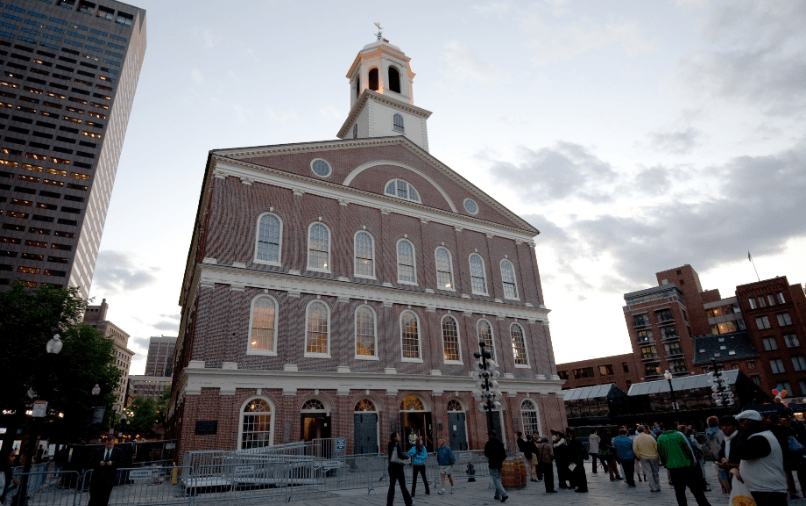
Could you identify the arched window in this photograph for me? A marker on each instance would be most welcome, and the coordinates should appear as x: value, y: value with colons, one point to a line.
x: 478, y: 278
x: 450, y: 340
x: 317, y: 342
x: 410, y: 336
x: 269, y: 237
x: 508, y: 277
x: 485, y: 332
x: 397, y: 123
x: 444, y: 269
x: 256, y: 425
x: 313, y: 405
x: 455, y: 405
x: 373, y: 79
x: 365, y: 333
x: 519, y: 346
x: 394, y: 80
x: 402, y: 189
x: 412, y: 403
x: 263, y: 327
x: 365, y: 405
x: 319, y: 248
x: 529, y: 417
x: 364, y: 255
x: 406, y: 270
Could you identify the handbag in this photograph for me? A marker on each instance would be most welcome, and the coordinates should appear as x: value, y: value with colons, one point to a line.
x: 534, y: 459
x: 740, y: 495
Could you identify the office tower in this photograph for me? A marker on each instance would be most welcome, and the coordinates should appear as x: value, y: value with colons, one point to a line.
x: 70, y: 70
x: 96, y: 316
x: 160, y: 356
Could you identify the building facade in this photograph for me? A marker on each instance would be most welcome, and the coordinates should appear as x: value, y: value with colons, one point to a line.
x: 159, y: 361
x: 147, y: 386
x: 71, y: 70
x: 340, y: 289
x: 96, y: 316
x: 621, y: 370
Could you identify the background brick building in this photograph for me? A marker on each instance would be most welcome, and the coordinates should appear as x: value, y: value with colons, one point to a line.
x: 340, y: 289
x: 96, y: 316
x: 622, y: 370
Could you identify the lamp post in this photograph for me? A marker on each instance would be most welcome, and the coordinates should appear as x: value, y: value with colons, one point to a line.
x: 488, y: 391
x: 53, y: 347
x: 669, y: 377
x: 721, y: 393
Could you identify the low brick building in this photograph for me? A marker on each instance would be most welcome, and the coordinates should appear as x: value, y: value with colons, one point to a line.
x: 621, y: 370
x: 340, y: 289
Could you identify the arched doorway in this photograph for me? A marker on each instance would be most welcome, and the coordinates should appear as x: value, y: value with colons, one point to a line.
x: 256, y: 425
x: 457, y: 427
x: 414, y: 419
x: 315, y: 420
x: 365, y: 433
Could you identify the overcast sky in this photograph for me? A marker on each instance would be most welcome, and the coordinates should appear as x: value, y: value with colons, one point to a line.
x: 637, y: 136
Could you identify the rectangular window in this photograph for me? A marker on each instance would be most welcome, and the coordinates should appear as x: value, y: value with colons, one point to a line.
x: 791, y: 341
x: 799, y: 363
x: 756, y: 379
x: 761, y: 302
x: 784, y: 386
x: 673, y: 349
x: 784, y: 319
x: 780, y: 296
x: 762, y: 323
x: 664, y: 315
x: 640, y: 320
x: 676, y: 366
x: 585, y: 372
x: 606, y: 370
x: 27, y: 270
x: 649, y: 352
x: 770, y: 300
x: 644, y: 336
x: 769, y: 344
x: 777, y: 366
x: 652, y: 369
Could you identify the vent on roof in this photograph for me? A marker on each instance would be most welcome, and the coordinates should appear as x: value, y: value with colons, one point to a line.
x: 723, y: 347
x: 716, y: 354
x: 721, y: 339
x: 731, y: 352
x: 702, y: 350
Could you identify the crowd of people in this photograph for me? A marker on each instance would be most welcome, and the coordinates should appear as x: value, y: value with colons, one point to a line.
x: 749, y: 452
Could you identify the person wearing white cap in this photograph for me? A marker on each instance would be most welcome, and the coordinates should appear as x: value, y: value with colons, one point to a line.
x: 762, y: 461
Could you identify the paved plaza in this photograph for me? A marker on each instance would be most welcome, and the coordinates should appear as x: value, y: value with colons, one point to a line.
x: 601, y: 491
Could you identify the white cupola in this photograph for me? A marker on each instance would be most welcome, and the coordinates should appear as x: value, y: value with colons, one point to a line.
x: 382, y: 98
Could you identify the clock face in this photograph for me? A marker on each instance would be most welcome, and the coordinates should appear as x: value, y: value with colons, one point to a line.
x: 355, y: 131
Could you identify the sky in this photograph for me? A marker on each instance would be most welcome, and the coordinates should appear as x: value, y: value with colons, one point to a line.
x: 637, y: 136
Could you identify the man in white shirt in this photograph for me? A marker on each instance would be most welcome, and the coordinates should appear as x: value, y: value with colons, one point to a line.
x: 762, y: 461
x: 593, y: 441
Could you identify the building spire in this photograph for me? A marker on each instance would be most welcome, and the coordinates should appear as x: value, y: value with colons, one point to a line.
x: 380, y: 32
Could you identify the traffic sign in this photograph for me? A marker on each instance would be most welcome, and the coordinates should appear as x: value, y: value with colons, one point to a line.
x: 40, y: 409
x: 341, y: 443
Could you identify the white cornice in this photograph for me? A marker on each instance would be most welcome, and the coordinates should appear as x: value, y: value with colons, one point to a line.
x: 368, y: 95
x: 238, y: 276
x: 297, y: 183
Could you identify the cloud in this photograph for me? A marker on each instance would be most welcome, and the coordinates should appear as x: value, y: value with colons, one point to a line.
x: 556, y: 41
x: 331, y: 112
x: 240, y: 113
x: 280, y: 115
x: 492, y: 8
x: 565, y: 171
x: 758, y: 58
x: 464, y: 64
x: 196, y: 75
x: 209, y: 39
x: 117, y: 271
x: 167, y: 325
x: 141, y: 341
x: 175, y: 316
x: 680, y: 142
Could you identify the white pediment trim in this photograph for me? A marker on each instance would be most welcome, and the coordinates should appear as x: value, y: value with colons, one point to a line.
x: 361, y: 168
x: 240, y: 276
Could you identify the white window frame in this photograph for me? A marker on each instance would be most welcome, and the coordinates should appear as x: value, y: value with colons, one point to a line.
x: 257, y: 242
x: 525, y: 346
x: 458, y: 340
x: 536, y: 411
x: 355, y: 255
x: 781, y: 299
x: 307, y: 321
x: 483, y: 273
x: 249, y: 350
x: 414, y: 261
x: 374, y: 330
x: 752, y: 302
x: 785, y: 317
x: 402, y: 123
x: 329, y: 166
x: 408, y: 191
x: 450, y: 263
x: 308, y: 248
x: 492, y: 336
x: 514, y: 279
x: 419, y: 358
x: 273, y: 413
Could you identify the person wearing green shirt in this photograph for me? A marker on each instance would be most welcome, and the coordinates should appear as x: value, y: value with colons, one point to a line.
x: 675, y: 454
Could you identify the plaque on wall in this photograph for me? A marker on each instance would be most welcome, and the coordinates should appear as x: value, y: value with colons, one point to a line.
x: 206, y: 427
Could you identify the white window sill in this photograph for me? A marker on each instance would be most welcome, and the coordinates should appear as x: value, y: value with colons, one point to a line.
x: 316, y: 355
x: 366, y: 357
x: 313, y: 269
x: 523, y: 366
x: 267, y: 262
x: 512, y: 298
x: 265, y: 353
x: 481, y: 293
x: 454, y: 362
x: 446, y: 289
x: 413, y: 360
x: 364, y: 277
x: 406, y: 283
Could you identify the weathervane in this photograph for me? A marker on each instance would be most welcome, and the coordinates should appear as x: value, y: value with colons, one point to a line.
x: 380, y: 33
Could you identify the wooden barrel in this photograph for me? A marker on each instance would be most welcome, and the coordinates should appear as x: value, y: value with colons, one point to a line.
x: 513, y: 473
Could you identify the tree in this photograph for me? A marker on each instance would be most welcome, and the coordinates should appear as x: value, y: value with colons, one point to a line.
x: 144, y: 415
x: 28, y: 320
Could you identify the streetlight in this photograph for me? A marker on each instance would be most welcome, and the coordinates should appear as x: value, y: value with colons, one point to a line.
x: 488, y: 391
x: 669, y: 377
x: 53, y: 347
x: 721, y: 393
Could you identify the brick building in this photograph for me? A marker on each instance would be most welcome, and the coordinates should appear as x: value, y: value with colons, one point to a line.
x: 96, y: 316
x: 147, y: 386
x: 340, y: 289
x: 622, y: 370
x: 71, y: 71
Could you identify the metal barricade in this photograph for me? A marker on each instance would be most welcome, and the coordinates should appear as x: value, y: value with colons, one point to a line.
x: 156, y: 485
x: 47, y: 488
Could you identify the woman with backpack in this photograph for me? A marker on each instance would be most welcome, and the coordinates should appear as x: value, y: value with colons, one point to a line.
x: 396, y: 458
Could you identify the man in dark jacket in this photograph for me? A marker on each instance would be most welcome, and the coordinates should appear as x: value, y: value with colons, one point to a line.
x: 545, y: 456
x: 576, y: 454
x: 496, y: 454
x: 105, y: 463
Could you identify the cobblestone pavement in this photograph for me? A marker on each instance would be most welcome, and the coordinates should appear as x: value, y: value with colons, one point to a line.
x: 601, y: 492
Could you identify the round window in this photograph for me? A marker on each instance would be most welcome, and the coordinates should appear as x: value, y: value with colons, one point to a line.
x: 320, y: 167
x: 471, y: 206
